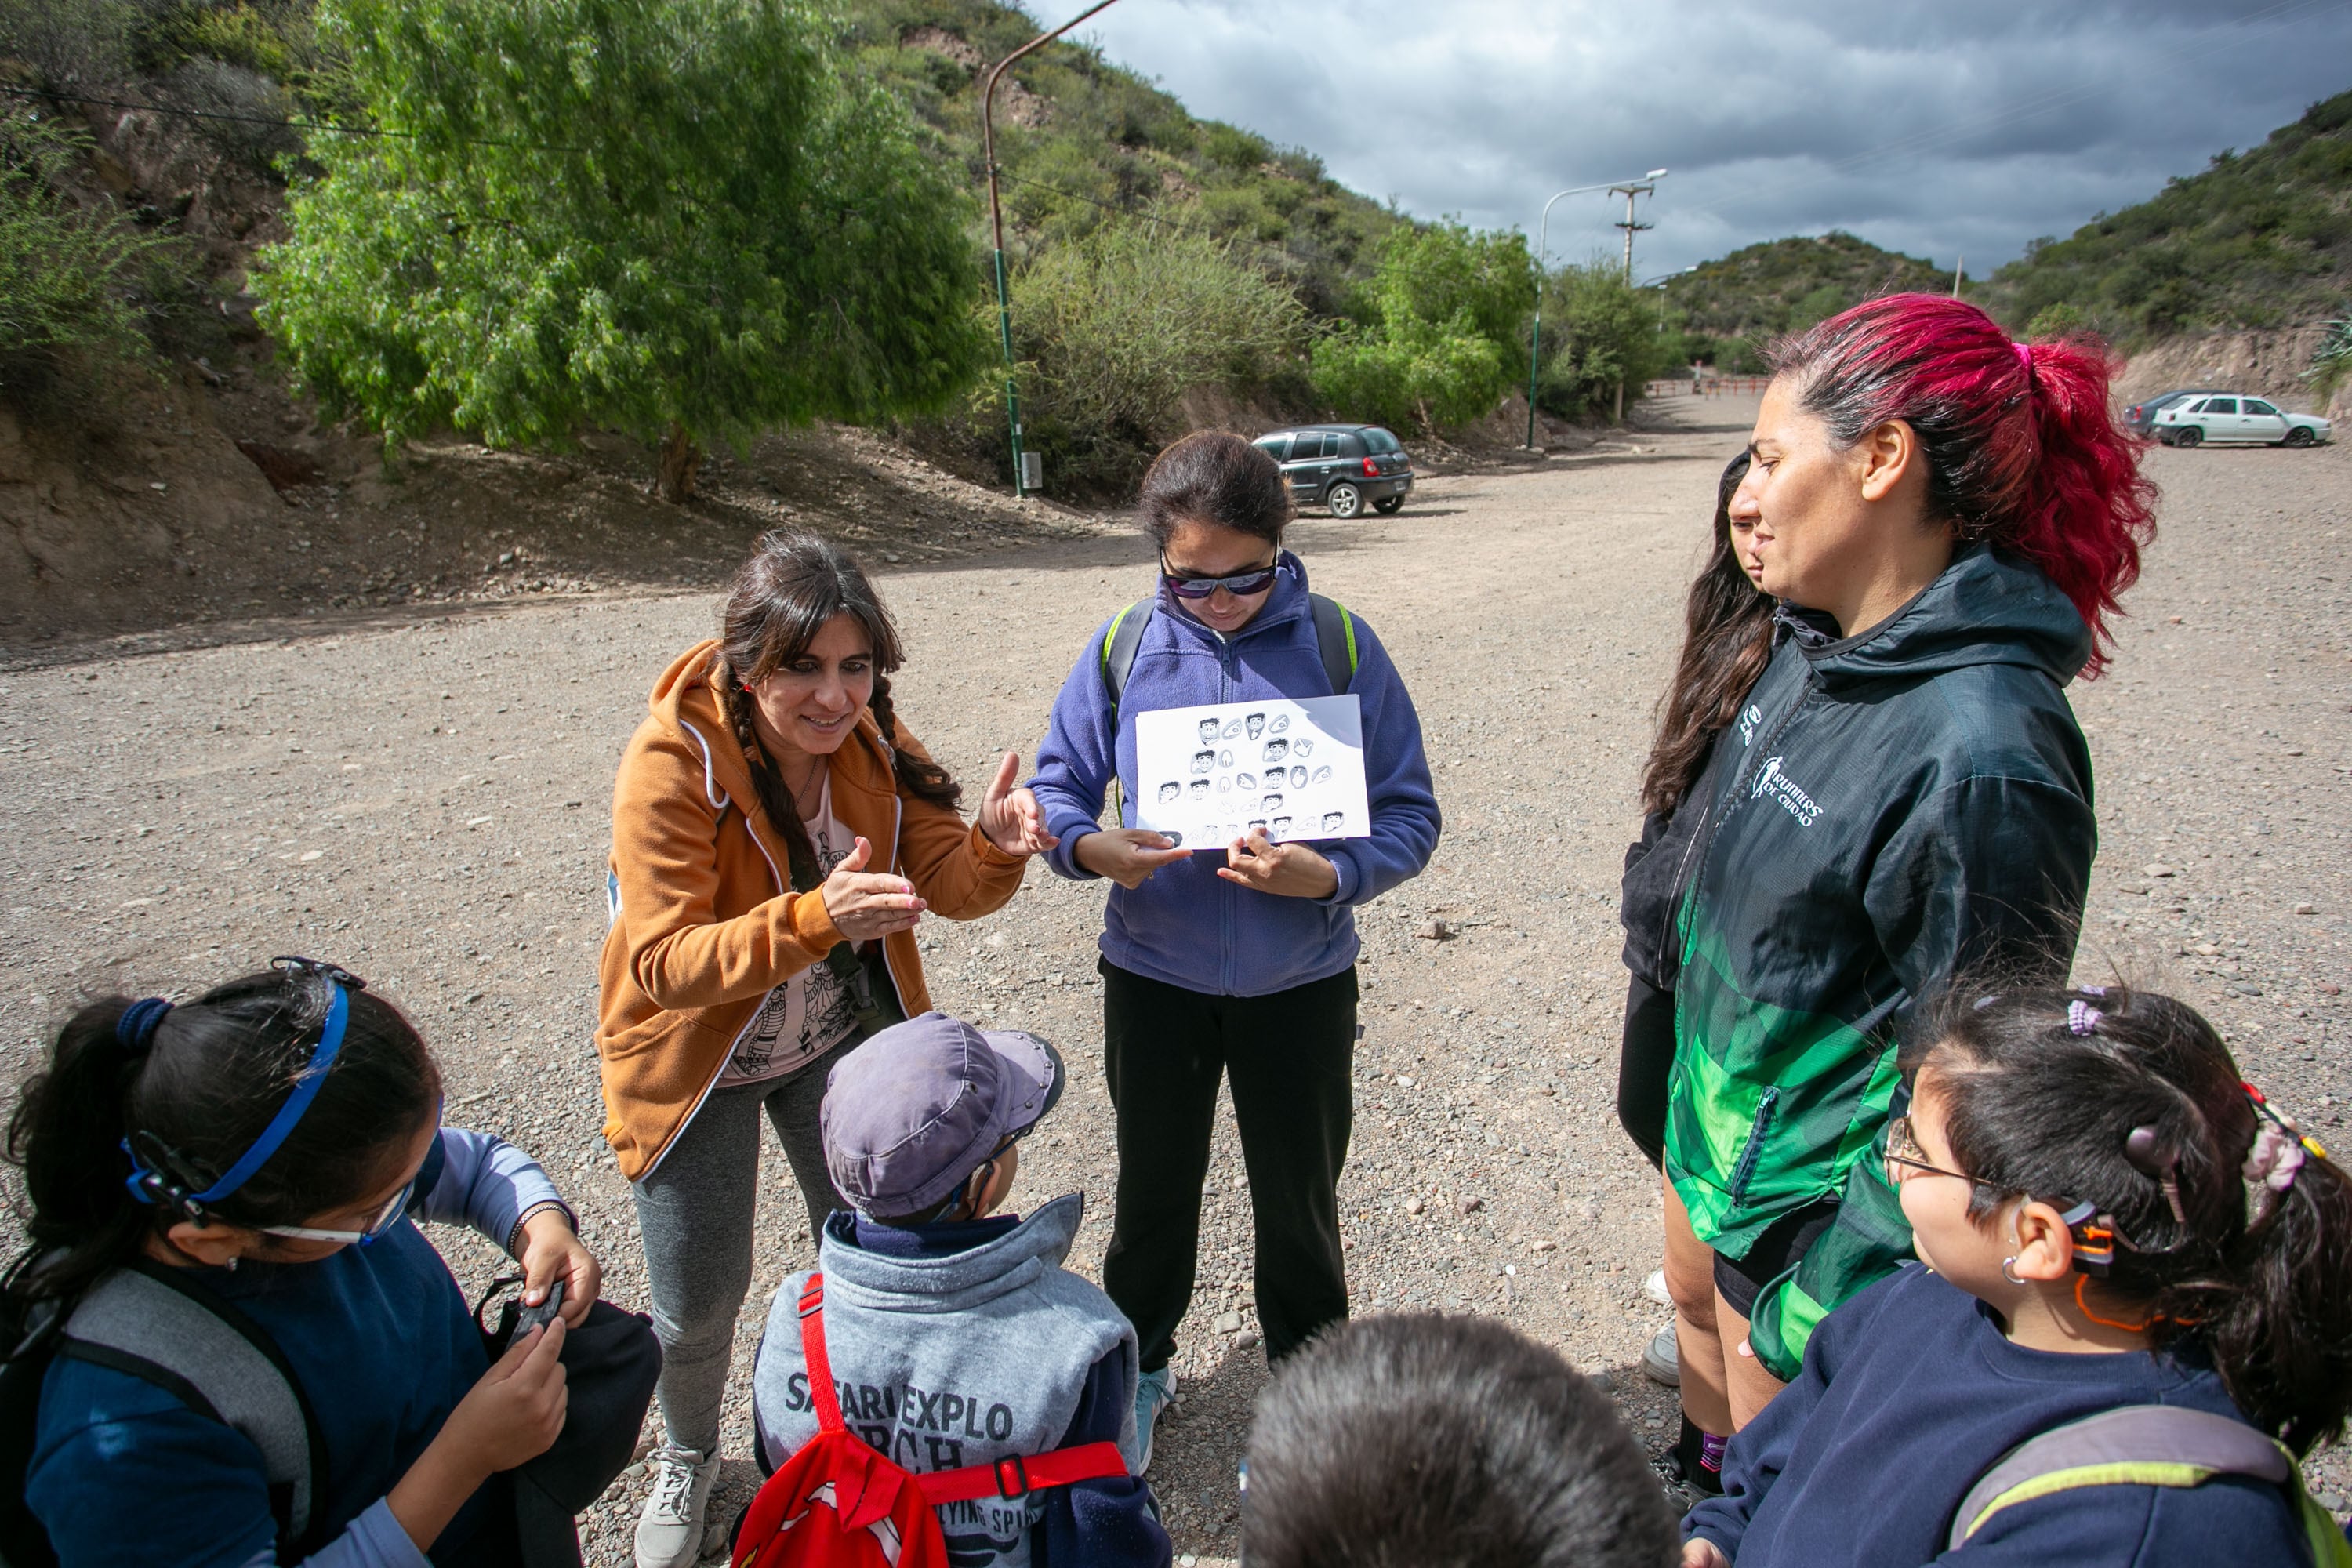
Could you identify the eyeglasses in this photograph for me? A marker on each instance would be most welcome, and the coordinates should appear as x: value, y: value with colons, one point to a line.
x: 1255, y: 581
x: 388, y: 1213
x: 1903, y: 1153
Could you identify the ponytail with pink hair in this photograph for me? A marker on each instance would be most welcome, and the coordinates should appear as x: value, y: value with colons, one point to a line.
x: 2021, y: 448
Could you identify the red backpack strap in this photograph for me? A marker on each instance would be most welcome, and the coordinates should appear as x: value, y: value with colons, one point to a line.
x: 1016, y: 1477
x: 820, y: 1365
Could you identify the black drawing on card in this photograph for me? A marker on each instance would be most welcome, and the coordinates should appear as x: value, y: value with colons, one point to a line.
x: 1281, y: 722
x: 1224, y: 783
x: 1225, y: 758
x: 1334, y: 821
x: 1203, y: 760
x: 1175, y: 839
x: 1302, y: 747
x: 1200, y: 788
x: 1271, y: 803
x: 1245, y: 780
x: 1232, y: 729
x: 1274, y: 752
x: 1281, y: 826
x: 1208, y: 832
x: 1322, y: 774
x: 1255, y: 723
x: 1298, y: 778
x: 1257, y: 825
x: 1208, y: 730
x: 1169, y: 790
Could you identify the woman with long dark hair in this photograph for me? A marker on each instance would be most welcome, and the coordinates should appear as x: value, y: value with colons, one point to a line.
x: 1726, y: 641
x: 1946, y: 518
x: 776, y: 835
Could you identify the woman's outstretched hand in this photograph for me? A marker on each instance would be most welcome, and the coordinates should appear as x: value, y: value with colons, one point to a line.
x: 866, y: 904
x: 1011, y: 817
x: 1286, y: 870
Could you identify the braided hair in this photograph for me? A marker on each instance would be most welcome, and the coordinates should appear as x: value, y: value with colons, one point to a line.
x: 2128, y: 1101
x: 782, y: 597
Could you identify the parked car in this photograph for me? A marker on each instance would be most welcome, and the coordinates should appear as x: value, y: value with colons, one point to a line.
x: 2242, y: 420
x: 2140, y: 417
x: 1342, y: 467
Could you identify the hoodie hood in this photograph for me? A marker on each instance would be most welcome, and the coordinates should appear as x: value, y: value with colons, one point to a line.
x: 958, y: 1281
x: 1986, y: 608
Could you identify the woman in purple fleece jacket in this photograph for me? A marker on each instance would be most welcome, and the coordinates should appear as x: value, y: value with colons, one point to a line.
x: 1238, y: 962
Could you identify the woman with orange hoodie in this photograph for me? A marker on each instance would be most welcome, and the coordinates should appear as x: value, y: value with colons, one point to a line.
x: 776, y: 836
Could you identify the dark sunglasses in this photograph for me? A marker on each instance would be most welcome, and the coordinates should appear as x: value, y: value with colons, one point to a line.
x: 1251, y: 582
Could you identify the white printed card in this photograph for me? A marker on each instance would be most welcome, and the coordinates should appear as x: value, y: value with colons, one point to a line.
x: 1292, y: 767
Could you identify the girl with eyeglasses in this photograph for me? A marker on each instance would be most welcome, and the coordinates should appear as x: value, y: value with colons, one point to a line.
x: 265, y: 1151
x: 2135, y: 1313
x: 1227, y: 961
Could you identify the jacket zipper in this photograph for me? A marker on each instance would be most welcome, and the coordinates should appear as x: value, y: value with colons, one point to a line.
x: 1752, y: 1152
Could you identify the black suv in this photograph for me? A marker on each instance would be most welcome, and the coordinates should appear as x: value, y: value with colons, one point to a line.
x: 1342, y: 466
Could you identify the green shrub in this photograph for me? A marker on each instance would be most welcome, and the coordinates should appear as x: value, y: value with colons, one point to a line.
x: 1115, y: 329
x: 1601, y: 336
x: 2331, y: 363
x: 679, y: 220
x: 2060, y: 320
x: 1438, y: 326
x: 71, y: 280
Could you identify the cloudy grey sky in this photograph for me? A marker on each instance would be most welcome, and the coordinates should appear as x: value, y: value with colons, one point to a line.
x: 1933, y: 127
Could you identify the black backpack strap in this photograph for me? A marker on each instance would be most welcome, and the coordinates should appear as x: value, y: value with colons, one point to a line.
x: 1120, y: 639
x: 1335, y: 638
x: 145, y: 1320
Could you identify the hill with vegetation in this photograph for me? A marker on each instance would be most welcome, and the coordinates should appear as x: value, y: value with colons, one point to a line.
x: 1729, y: 308
x: 2259, y: 240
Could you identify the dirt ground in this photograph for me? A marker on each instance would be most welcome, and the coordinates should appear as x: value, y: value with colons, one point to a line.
x: 422, y: 794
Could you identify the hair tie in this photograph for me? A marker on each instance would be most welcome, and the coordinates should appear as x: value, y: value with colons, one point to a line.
x: 135, y: 1030
x: 2082, y: 1018
x: 2024, y: 356
x: 2278, y: 1152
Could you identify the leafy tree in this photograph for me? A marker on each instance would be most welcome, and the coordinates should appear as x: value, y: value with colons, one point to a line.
x: 677, y: 219
x: 2058, y: 320
x: 1602, y: 337
x: 1445, y: 310
x: 1117, y: 328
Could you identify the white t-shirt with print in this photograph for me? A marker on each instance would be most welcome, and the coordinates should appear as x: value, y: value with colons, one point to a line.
x: 814, y: 1011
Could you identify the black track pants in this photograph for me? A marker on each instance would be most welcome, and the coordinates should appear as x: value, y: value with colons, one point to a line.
x: 1287, y: 1057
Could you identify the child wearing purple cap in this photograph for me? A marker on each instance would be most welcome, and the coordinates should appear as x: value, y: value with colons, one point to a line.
x: 955, y: 1334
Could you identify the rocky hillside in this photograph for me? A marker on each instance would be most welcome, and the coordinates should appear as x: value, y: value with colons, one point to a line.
x: 1731, y: 306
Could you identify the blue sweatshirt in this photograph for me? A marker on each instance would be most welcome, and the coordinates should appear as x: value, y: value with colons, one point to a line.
x: 380, y: 1340
x: 1909, y: 1395
x: 1186, y: 925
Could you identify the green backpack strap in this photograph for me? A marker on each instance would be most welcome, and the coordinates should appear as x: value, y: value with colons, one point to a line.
x: 2145, y: 1446
x: 1334, y: 639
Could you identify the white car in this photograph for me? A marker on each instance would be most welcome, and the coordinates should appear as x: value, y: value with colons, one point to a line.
x: 2248, y: 421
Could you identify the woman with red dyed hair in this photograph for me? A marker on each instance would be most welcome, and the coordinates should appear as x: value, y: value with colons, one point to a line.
x: 1946, y: 518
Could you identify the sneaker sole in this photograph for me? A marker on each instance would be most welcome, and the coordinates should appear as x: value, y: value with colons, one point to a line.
x: 1659, y: 1373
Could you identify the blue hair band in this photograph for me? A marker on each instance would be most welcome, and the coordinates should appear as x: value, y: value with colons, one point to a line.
x: 135, y: 1030
x: 289, y: 1115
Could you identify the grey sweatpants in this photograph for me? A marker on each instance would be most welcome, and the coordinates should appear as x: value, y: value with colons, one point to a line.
x: 696, y: 1209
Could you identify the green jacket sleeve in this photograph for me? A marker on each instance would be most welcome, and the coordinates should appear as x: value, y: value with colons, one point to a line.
x: 1990, y: 871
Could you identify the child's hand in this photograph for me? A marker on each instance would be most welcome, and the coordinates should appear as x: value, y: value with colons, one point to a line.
x: 1128, y: 856
x: 1698, y: 1552
x: 550, y: 1251
x: 515, y: 1412
x: 1290, y: 870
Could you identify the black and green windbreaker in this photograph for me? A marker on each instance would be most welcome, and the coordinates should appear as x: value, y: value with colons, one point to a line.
x: 1888, y: 810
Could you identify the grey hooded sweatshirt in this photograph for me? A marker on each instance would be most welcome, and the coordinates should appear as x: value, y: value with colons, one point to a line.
x: 948, y: 1359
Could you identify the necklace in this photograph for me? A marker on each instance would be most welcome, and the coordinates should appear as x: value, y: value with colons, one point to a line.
x: 812, y: 785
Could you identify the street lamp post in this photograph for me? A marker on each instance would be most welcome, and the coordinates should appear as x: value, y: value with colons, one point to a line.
x: 996, y: 227
x: 1535, y: 330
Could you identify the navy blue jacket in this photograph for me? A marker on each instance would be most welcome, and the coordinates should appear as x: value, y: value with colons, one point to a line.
x: 1909, y: 1393
x: 1188, y: 926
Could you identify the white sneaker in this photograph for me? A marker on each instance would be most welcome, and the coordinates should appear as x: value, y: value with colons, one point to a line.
x: 1661, y: 1358
x: 669, y: 1531
x: 1654, y: 1288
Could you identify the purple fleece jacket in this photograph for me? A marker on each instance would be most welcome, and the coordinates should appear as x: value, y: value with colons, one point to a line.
x: 1186, y: 925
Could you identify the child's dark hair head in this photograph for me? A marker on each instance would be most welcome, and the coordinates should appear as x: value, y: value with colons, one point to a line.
x: 2097, y: 1096
x: 1217, y: 478
x: 203, y: 1081
x: 1446, y: 1442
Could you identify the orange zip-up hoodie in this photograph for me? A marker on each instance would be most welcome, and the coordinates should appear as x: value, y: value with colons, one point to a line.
x: 705, y: 923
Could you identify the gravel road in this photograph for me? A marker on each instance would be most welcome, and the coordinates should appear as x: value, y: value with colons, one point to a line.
x: 427, y: 803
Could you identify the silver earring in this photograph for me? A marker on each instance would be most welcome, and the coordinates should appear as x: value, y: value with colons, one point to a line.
x: 2006, y: 1274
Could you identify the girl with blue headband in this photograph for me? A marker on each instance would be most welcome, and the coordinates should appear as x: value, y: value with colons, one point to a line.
x: 262, y: 1152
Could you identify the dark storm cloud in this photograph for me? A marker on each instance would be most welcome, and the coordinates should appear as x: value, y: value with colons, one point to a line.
x: 1938, y: 130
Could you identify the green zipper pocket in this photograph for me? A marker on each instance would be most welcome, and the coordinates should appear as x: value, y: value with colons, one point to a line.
x: 1752, y: 1151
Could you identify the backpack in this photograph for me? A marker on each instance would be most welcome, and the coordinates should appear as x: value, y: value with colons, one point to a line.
x: 2148, y: 1445
x: 1335, y: 638
x: 162, y: 1326
x: 838, y: 1500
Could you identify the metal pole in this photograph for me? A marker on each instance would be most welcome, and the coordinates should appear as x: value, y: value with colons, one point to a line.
x: 1535, y: 330
x: 996, y: 226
